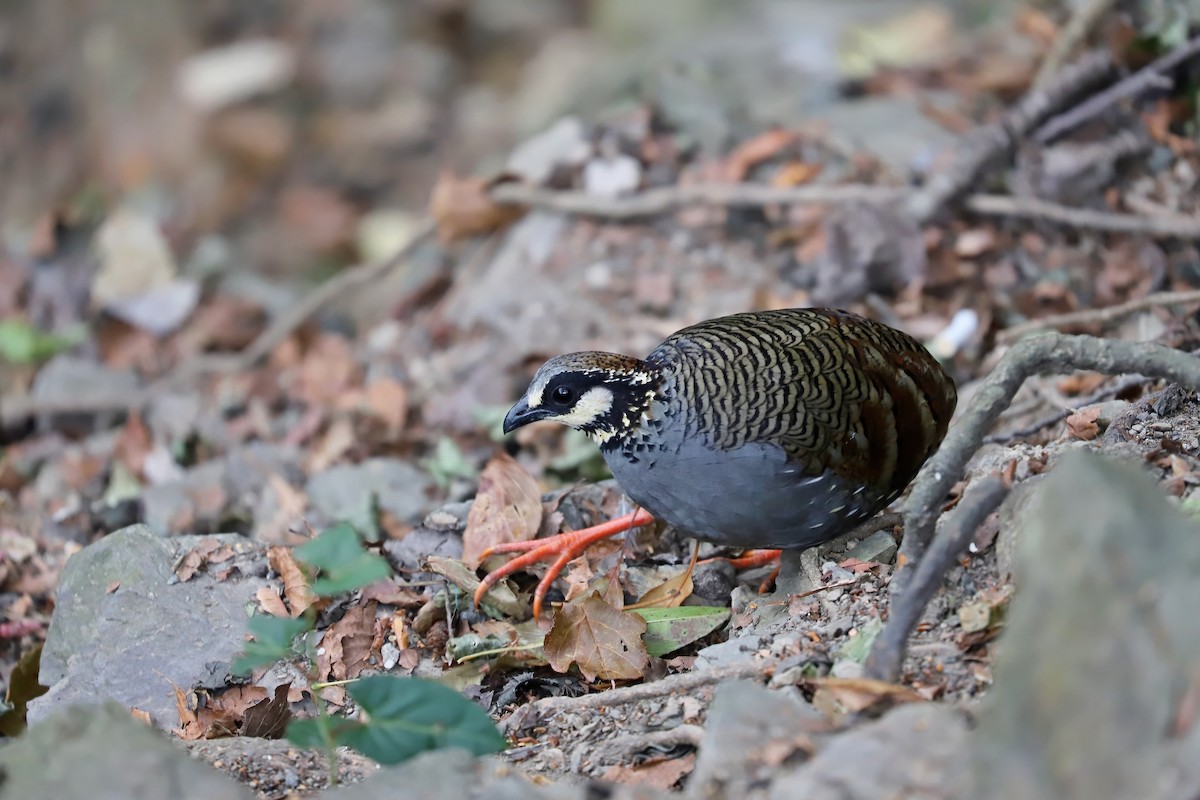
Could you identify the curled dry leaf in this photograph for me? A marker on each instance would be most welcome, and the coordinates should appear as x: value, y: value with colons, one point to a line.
x: 295, y: 583
x: 604, y: 642
x: 753, y: 152
x: 462, y: 208
x: 840, y: 696
x: 270, y: 601
x: 1082, y: 424
x: 507, y: 508
x: 196, y: 559
x: 670, y: 593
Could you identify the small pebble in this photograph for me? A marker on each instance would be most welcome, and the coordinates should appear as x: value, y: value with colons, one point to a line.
x: 390, y: 654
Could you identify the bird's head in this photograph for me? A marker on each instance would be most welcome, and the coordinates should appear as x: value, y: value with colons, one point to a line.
x: 601, y: 394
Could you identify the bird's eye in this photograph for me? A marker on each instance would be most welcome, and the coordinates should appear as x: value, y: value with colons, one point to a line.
x: 562, y: 394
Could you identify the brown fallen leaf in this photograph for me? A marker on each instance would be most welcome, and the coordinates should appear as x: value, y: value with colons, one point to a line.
x: 295, y: 583
x: 462, y: 208
x: 604, y: 642
x: 268, y: 718
x: 1082, y: 424
x: 271, y: 602
x: 347, y: 644
x: 796, y: 173
x: 1079, y: 383
x: 661, y: 774
x: 140, y: 715
x: 196, y: 559
x: 507, y: 508
x: 852, y: 695
x: 387, y: 399
x: 754, y: 151
x: 578, y: 577
x: 672, y: 592
x: 133, y: 444
x: 337, y: 440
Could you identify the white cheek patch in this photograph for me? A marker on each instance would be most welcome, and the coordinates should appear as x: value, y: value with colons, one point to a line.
x: 595, y: 403
x: 533, y: 395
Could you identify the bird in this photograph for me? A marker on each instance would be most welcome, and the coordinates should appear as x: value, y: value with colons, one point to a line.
x: 764, y: 429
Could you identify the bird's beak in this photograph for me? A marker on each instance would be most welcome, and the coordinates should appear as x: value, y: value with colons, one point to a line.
x: 521, y: 414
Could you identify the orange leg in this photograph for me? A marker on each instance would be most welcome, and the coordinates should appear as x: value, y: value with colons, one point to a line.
x: 755, y: 558
x: 750, y: 559
x: 564, y: 547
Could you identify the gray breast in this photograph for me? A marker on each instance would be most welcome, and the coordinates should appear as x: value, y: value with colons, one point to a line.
x: 746, y: 497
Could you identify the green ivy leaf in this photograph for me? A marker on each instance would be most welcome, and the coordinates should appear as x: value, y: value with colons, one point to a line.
x: 343, y: 563
x: 668, y: 629
x: 320, y: 732
x: 407, y: 716
x: 21, y: 343
x: 273, y: 638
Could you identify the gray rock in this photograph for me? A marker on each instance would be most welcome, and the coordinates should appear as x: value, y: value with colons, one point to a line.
x: 918, y: 751
x: 457, y: 775
x: 1102, y: 641
x: 418, y: 545
x: 102, y: 753
x: 743, y: 717
x: 1014, y: 513
x: 345, y: 493
x: 124, y: 629
x: 895, y: 129
x: 67, y: 376
x: 879, y: 546
x: 228, y: 487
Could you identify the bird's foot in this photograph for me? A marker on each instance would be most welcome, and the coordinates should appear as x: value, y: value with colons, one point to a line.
x: 564, y: 548
x: 750, y: 559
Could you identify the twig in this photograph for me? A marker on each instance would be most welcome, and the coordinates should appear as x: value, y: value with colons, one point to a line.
x: 1148, y: 77
x: 1170, y: 226
x: 887, y: 652
x: 15, y: 409
x: 1048, y: 352
x: 665, y: 199
x: 991, y: 144
x: 1082, y: 22
x: 1098, y: 315
x: 1124, y: 385
x: 530, y: 714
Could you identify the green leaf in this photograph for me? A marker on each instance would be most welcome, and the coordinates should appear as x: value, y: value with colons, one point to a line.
x: 448, y: 463
x: 273, y: 638
x: 320, y: 732
x: 668, y: 629
x: 407, y: 716
x: 343, y: 563
x: 858, y: 648
x: 21, y: 343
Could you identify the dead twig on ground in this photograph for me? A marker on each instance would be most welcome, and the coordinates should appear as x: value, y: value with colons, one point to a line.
x: 1048, y: 352
x: 531, y: 714
x: 1121, y: 386
x: 887, y: 652
x: 1147, y: 78
x: 1093, y: 316
x: 1080, y: 26
x: 1169, y: 226
x: 986, y: 146
x: 16, y: 409
x: 665, y: 199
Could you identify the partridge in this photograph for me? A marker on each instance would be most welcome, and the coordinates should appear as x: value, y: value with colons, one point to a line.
x: 772, y: 429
